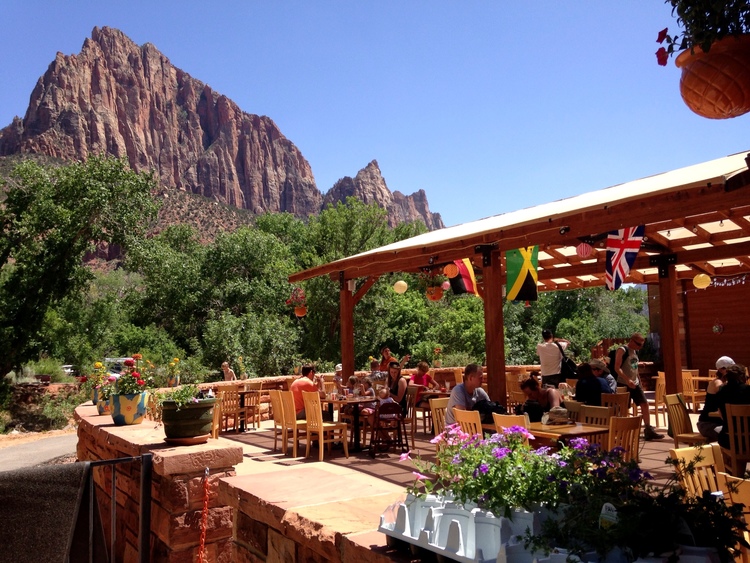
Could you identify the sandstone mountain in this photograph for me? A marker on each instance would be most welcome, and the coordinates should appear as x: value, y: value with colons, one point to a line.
x: 126, y: 100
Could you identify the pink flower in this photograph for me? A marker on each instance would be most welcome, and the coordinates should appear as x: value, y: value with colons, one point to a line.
x: 662, y: 56
x: 405, y: 456
x: 418, y: 475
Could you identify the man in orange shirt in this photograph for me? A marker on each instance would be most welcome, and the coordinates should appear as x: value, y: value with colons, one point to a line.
x: 385, y: 352
x: 308, y: 382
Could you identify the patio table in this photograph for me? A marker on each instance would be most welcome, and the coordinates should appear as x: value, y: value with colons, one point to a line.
x: 355, y: 402
x: 560, y: 432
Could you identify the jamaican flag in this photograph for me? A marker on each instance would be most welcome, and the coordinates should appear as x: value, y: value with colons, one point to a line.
x: 464, y: 282
x: 521, y: 265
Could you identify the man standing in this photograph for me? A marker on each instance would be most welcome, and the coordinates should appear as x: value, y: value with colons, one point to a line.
x: 626, y: 367
x: 466, y: 394
x: 550, y: 357
x: 308, y: 382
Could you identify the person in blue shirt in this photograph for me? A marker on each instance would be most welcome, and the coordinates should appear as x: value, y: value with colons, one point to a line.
x: 589, y: 388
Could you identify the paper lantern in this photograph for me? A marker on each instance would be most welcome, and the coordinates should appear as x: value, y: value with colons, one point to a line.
x: 450, y: 270
x: 702, y: 281
x: 400, y: 286
x: 434, y: 293
x: 584, y: 250
x: 446, y: 285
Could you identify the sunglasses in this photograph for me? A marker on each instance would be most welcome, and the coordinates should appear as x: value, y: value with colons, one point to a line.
x: 639, y: 342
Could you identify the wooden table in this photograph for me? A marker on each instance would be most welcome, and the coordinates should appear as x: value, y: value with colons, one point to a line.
x: 355, y: 402
x: 560, y: 432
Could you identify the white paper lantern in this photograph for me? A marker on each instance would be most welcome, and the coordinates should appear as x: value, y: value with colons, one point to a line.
x: 400, y: 286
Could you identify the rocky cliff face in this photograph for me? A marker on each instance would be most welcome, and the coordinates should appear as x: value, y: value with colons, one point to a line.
x: 369, y: 186
x: 126, y: 100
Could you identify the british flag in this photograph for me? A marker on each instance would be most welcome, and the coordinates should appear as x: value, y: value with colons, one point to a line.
x: 622, y: 248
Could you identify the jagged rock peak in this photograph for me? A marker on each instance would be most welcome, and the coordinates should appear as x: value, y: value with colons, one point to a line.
x: 370, y: 186
x: 118, y: 98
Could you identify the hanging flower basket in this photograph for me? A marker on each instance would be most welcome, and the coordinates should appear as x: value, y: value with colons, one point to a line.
x: 300, y: 310
x: 716, y: 84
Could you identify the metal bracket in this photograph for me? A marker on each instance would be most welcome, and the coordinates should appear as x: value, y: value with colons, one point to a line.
x: 663, y: 261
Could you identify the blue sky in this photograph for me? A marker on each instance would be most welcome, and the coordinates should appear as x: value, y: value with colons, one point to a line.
x: 489, y: 106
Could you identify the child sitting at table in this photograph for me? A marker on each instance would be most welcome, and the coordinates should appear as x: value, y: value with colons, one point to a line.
x: 422, y: 377
x: 366, y: 390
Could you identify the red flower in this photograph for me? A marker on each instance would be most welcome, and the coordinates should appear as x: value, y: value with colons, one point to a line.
x: 136, y: 375
x: 662, y: 56
x: 662, y: 36
x: 141, y: 382
x: 129, y: 363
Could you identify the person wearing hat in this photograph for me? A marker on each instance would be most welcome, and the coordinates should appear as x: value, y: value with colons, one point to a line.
x: 600, y: 369
x: 338, y: 378
x: 710, y: 426
x: 589, y: 388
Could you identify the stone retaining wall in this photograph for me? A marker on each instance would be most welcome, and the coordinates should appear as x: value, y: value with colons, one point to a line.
x: 177, y: 488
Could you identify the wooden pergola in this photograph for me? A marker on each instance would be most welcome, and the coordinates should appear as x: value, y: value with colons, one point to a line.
x: 697, y: 220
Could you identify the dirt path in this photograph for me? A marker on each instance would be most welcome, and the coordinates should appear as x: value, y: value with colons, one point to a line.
x: 14, y: 439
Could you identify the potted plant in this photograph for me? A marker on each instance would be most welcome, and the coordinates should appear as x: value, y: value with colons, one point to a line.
x: 103, y: 392
x: 187, y: 414
x: 128, y: 401
x: 94, y: 380
x: 298, y: 300
x: 715, y: 55
x: 437, y: 357
x: 173, y: 373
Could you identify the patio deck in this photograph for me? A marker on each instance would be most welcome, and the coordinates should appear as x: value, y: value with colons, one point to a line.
x: 345, y: 497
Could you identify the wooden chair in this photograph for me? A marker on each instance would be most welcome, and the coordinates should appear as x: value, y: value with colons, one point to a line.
x: 660, y: 405
x: 680, y: 423
x: 738, y: 428
x: 625, y: 432
x: 458, y: 373
x: 699, y: 468
x: 690, y: 390
x: 622, y: 389
x: 438, y: 408
x: 516, y: 398
x: 574, y: 409
x: 388, y: 429
x: 252, y: 403
x: 292, y: 428
x: 469, y: 421
x: 597, y: 416
x: 216, y: 422
x: 329, y: 387
x: 618, y: 401
x: 277, y: 411
x: 327, y: 432
x: 425, y: 410
x: 231, y: 412
x: 503, y: 421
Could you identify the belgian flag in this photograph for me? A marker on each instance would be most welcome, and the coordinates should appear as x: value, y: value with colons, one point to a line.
x: 521, y: 266
x: 464, y: 282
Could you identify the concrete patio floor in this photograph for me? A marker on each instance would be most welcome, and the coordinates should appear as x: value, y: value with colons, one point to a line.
x: 347, y: 496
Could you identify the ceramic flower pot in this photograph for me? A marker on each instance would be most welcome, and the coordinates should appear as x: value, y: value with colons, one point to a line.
x: 94, y: 395
x: 173, y: 381
x: 102, y: 406
x: 189, y: 422
x: 716, y: 84
x: 128, y: 409
x: 437, y: 363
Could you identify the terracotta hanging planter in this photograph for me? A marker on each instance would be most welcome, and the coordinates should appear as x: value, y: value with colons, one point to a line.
x: 716, y: 84
x: 300, y: 311
x: 434, y: 293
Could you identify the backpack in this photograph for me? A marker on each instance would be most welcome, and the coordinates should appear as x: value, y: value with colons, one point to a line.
x: 486, y: 408
x: 568, y: 368
x: 613, y: 357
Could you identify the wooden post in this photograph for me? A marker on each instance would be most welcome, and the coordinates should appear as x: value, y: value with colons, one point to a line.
x: 670, y: 338
x: 494, y: 336
x: 346, y: 308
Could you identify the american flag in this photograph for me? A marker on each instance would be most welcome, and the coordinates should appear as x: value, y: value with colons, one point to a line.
x: 622, y: 248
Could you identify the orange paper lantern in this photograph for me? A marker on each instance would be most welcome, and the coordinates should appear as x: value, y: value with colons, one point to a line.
x: 450, y: 270
x: 434, y: 293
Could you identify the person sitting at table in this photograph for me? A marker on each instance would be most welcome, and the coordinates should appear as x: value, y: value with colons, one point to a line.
x: 352, y: 389
x: 397, y: 385
x: 375, y: 373
x: 308, y: 382
x: 601, y: 370
x: 589, y: 388
x: 338, y: 378
x: 422, y: 377
x: 466, y: 394
x: 710, y: 426
x: 734, y: 392
x: 542, y: 399
x: 368, y: 409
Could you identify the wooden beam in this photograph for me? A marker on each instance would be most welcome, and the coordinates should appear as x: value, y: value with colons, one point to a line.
x: 346, y: 310
x: 670, y: 338
x: 364, y: 288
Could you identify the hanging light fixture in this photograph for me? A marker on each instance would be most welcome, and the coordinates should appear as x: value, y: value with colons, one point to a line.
x: 450, y: 270
x: 702, y: 281
x: 400, y: 287
x: 584, y: 250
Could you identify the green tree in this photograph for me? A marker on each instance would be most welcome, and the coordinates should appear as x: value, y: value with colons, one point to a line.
x: 50, y: 218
